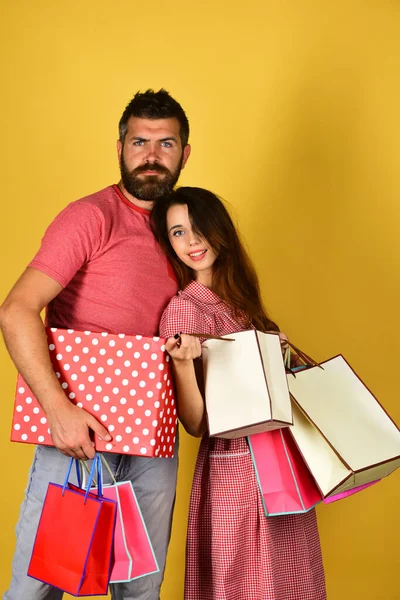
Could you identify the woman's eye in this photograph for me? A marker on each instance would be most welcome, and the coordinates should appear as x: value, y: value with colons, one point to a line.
x: 178, y: 233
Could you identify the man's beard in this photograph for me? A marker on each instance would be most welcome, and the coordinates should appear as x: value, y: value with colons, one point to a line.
x: 149, y: 187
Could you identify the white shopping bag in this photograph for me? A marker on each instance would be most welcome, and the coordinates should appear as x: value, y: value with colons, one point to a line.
x: 245, y: 385
x: 345, y: 436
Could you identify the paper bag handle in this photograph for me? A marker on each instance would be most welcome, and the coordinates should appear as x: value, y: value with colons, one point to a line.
x: 107, y: 466
x: 105, y: 463
x: 308, y: 361
x: 208, y: 336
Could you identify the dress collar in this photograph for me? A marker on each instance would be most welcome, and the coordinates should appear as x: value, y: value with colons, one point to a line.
x: 198, y: 291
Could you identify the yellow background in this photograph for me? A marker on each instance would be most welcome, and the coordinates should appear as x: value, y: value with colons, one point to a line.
x: 294, y: 109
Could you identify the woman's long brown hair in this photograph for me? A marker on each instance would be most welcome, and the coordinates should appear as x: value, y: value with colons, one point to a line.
x: 234, y: 278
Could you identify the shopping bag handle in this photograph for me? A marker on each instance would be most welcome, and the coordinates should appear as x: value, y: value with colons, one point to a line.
x: 107, y: 466
x: 78, y: 474
x: 94, y: 471
x: 205, y: 336
x: 308, y: 361
x: 208, y: 336
x: 105, y: 463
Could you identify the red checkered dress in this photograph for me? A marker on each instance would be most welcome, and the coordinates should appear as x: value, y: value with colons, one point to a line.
x: 234, y: 552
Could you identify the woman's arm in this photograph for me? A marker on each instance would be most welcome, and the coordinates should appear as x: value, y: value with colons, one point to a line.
x: 191, y: 409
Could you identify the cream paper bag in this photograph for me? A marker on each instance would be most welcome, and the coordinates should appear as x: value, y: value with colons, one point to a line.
x: 245, y: 385
x: 345, y: 436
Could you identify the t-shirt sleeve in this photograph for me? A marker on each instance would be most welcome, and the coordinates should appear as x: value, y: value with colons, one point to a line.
x: 72, y: 239
x: 183, y: 316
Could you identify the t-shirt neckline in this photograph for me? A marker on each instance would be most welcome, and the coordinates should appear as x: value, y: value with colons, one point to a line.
x: 130, y: 204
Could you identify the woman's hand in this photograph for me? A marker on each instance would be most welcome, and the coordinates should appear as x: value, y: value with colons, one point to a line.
x: 183, y: 347
x: 295, y: 360
x: 284, y: 341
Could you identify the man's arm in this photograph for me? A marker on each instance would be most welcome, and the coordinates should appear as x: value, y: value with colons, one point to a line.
x: 26, y: 341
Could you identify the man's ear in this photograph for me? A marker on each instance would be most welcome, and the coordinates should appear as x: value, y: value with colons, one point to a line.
x: 186, y: 153
x: 119, y: 150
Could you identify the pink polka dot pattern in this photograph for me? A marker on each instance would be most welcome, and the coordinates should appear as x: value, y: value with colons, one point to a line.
x: 124, y: 381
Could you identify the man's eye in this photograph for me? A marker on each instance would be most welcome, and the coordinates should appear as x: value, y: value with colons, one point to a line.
x: 166, y: 144
x: 138, y: 143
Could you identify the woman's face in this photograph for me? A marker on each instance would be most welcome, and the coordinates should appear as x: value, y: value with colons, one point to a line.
x: 190, y: 248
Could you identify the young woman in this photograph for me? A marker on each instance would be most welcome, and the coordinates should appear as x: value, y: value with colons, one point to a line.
x: 233, y: 551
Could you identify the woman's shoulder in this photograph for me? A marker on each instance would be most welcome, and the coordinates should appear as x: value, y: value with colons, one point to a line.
x: 183, y: 299
x: 179, y: 305
x: 184, y: 313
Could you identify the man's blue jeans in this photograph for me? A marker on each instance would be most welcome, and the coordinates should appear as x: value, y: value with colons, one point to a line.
x: 154, y: 482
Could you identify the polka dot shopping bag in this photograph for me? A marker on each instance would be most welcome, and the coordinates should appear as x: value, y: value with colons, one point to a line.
x: 124, y: 381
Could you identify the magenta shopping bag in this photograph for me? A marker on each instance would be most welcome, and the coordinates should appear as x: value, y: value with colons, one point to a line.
x: 137, y: 539
x: 342, y: 495
x: 286, y: 485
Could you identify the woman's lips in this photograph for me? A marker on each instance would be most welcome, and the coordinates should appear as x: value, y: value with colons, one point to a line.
x: 198, y: 255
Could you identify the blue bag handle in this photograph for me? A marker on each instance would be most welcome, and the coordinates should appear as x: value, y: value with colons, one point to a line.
x: 78, y: 473
x: 94, y: 471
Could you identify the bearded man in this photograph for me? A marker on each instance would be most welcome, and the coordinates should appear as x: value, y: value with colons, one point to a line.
x: 100, y: 269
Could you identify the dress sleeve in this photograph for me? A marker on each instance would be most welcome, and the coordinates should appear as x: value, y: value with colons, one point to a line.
x: 69, y: 242
x: 182, y: 316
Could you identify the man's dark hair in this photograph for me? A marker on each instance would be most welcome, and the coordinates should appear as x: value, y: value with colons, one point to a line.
x: 155, y: 105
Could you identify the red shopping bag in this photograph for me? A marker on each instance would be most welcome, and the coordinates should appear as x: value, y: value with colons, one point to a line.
x: 74, y: 540
x: 286, y: 485
x: 133, y: 552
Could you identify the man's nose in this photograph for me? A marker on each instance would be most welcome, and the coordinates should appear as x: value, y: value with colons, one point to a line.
x: 152, y: 155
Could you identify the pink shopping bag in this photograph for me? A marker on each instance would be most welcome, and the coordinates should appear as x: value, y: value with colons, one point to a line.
x: 137, y: 538
x: 133, y: 552
x: 286, y: 485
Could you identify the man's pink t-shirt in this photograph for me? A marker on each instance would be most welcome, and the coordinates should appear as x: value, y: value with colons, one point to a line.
x: 114, y: 276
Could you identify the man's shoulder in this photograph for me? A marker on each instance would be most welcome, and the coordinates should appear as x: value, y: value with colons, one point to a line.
x: 101, y: 205
x: 103, y: 199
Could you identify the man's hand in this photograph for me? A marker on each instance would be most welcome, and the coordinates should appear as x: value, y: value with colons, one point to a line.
x: 70, y: 430
x: 26, y: 341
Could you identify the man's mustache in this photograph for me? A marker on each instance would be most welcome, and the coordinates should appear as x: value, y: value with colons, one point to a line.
x: 150, y: 167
